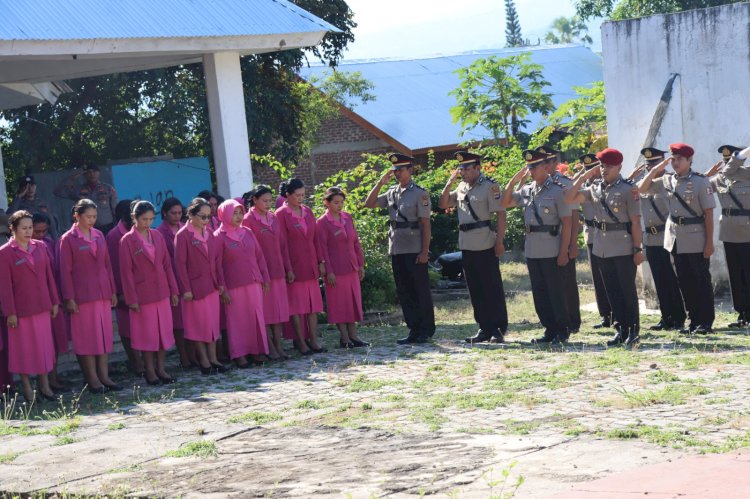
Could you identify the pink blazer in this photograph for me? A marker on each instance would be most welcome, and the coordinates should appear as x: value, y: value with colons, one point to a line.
x: 273, y: 243
x: 195, y: 269
x: 144, y: 281
x: 240, y: 262
x: 302, y: 252
x: 338, y: 244
x: 113, y: 244
x: 83, y: 276
x: 26, y: 289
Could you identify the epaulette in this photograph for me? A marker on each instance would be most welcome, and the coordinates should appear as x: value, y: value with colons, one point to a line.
x: 491, y: 180
x: 419, y: 187
x: 697, y: 174
x: 559, y: 184
x: 628, y: 181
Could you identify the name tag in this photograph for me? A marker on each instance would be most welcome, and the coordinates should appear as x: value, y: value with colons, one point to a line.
x: 21, y: 261
x: 195, y: 242
x: 338, y: 232
x: 234, y: 245
x: 138, y: 251
x: 264, y: 230
x: 299, y: 226
x: 84, y: 248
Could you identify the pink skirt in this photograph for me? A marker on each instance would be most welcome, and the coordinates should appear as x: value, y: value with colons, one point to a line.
x: 344, y: 300
x: 151, y: 327
x: 276, y: 303
x: 91, y: 328
x: 61, y: 332
x: 304, y: 297
x: 200, y: 319
x: 122, y: 313
x: 246, y: 329
x: 31, y: 346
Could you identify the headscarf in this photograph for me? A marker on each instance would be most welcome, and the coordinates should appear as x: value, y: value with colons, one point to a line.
x: 225, y: 213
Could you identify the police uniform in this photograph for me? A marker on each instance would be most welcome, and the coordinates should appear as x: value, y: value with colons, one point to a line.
x: 590, y: 161
x: 104, y: 195
x: 570, y: 283
x: 685, y: 237
x: 544, y: 206
x: 476, y: 240
x: 36, y: 205
x: 732, y: 185
x: 406, y: 205
x: 615, y: 203
x: 655, y: 211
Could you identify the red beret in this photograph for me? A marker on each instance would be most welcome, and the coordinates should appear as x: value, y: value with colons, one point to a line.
x: 609, y: 156
x: 682, y: 149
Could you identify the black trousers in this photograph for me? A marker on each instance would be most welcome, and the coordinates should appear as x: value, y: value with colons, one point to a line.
x: 671, y: 305
x: 694, y: 277
x: 572, y: 299
x: 413, y: 290
x: 549, y: 300
x: 482, y: 273
x: 738, y: 265
x: 600, y: 292
x: 618, y: 274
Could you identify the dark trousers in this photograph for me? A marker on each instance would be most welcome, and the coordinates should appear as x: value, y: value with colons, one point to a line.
x: 618, y: 274
x: 600, y: 292
x: 549, y: 302
x: 738, y: 265
x: 694, y: 277
x: 570, y: 292
x: 482, y: 273
x: 671, y: 305
x: 413, y: 290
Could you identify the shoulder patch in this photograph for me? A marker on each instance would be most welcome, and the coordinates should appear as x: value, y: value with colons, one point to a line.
x: 491, y: 180
x: 425, y: 199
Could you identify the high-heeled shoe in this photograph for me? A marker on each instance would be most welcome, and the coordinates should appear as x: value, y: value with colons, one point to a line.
x: 114, y: 387
x: 207, y: 371
x: 359, y: 343
x: 347, y: 345
x: 315, y: 350
x: 219, y: 367
x: 152, y: 382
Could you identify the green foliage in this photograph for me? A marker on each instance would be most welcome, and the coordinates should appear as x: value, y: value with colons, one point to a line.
x: 499, y: 94
x: 513, y: 37
x: 583, y: 120
x: 568, y: 30
x: 626, y: 9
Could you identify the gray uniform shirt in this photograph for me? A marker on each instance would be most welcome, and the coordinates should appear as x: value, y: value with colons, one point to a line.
x: 588, y: 212
x: 102, y: 194
x: 695, y: 189
x: 734, y: 178
x: 549, y: 200
x: 484, y: 197
x: 623, y: 201
x: 413, y: 203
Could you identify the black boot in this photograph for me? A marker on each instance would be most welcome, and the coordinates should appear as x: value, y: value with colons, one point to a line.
x: 618, y: 339
x: 480, y: 337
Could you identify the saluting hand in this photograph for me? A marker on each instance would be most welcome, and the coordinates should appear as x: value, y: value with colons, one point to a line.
x: 175, y: 300
x: 12, y: 321
x: 135, y: 307
x: 71, y: 306
x: 454, y: 175
x: 55, y: 311
x: 387, y: 176
x: 714, y: 169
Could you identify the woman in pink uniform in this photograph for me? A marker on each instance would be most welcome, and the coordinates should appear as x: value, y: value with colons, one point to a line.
x: 198, y: 279
x: 150, y: 291
x: 305, y: 302
x: 339, y: 248
x: 267, y: 231
x: 28, y: 298
x: 245, y: 275
x: 114, y: 236
x: 89, y: 294
x: 171, y: 222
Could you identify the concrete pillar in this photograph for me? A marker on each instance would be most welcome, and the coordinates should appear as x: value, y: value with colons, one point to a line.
x: 3, y: 191
x: 226, y: 112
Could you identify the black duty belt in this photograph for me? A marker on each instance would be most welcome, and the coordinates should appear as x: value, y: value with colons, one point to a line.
x: 404, y: 225
x: 608, y: 226
x: 686, y: 220
x: 589, y: 223
x: 655, y: 229
x: 735, y: 212
x: 552, y: 229
x: 474, y: 225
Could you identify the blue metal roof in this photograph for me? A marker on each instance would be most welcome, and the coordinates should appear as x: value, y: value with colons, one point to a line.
x: 412, y: 104
x: 27, y: 20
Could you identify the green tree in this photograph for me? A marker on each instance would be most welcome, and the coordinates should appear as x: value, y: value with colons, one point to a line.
x: 568, y: 30
x: 627, y: 9
x: 513, y: 37
x: 500, y: 94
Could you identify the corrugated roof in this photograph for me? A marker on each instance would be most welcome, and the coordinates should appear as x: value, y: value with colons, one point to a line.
x: 28, y: 20
x: 412, y: 104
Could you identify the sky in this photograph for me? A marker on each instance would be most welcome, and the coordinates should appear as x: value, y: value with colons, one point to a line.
x: 409, y: 28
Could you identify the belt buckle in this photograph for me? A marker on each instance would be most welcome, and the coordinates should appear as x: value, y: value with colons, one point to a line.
x: 653, y: 230
x: 603, y: 226
x: 680, y: 221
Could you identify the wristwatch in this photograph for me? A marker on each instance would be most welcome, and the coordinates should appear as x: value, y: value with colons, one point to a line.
x: 637, y: 249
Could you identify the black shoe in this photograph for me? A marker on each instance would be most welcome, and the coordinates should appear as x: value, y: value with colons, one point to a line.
x: 544, y: 339
x: 346, y: 345
x: 497, y: 339
x: 480, y: 337
x: 687, y: 330
x: 315, y: 350
x: 406, y: 341
x: 218, y: 367
x: 562, y: 337
x: 114, y: 387
x: 358, y: 343
x: 703, y: 330
x: 168, y: 380
x: 740, y: 324
x: 206, y: 371
x: 659, y: 326
x: 618, y: 339
x: 677, y: 326
x: 152, y: 382
x: 603, y: 324
x: 633, y: 339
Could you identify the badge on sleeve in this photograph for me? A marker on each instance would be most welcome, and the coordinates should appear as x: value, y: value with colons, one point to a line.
x: 709, y: 191
x: 425, y: 200
x: 635, y: 194
x: 496, y: 191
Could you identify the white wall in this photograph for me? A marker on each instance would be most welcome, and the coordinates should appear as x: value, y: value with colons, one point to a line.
x: 710, y: 106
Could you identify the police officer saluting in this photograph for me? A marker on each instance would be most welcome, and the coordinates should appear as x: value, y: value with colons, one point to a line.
x: 548, y: 219
x: 102, y: 194
x: 617, y: 239
x: 655, y: 210
x: 477, y: 198
x: 689, y: 234
x: 408, y: 244
x: 731, y: 180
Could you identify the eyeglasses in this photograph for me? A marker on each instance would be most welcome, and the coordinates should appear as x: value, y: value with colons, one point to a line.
x: 204, y: 217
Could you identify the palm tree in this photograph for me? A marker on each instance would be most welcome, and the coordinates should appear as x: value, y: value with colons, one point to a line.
x: 568, y: 30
